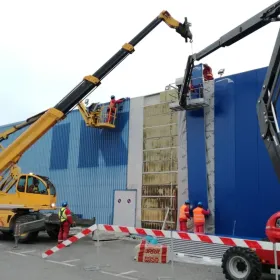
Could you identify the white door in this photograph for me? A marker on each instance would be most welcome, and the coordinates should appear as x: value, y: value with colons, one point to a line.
x: 125, y: 208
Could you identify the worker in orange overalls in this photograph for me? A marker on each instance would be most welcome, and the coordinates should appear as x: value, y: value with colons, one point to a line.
x: 66, y: 222
x: 184, y: 215
x: 111, y: 110
x: 199, y: 218
x: 207, y: 73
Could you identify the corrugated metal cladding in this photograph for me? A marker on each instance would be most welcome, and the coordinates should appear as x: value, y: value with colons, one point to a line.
x: 160, y: 165
x: 246, y: 186
x: 85, y: 164
x: 197, y: 180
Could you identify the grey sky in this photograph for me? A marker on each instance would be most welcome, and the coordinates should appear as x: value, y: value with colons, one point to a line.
x: 47, y: 47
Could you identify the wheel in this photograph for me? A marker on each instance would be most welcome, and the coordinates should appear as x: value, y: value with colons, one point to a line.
x: 7, y: 235
x: 241, y: 264
x: 29, y: 236
x: 53, y: 234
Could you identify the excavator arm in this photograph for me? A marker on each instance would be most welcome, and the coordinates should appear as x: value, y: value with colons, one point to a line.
x: 266, y: 105
x: 48, y: 119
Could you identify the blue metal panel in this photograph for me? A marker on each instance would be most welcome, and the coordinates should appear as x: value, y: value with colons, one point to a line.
x: 247, y: 91
x: 89, y: 191
x: 94, y: 142
x: 225, y: 204
x: 60, y: 146
x: 245, y: 184
x: 197, y: 74
x: 196, y: 157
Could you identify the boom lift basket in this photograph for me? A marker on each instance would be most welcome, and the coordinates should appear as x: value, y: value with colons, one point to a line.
x: 107, y: 118
x: 98, y: 116
x: 195, y: 97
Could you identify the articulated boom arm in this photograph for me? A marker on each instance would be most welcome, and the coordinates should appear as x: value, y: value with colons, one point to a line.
x: 266, y: 106
x: 246, y: 28
x: 14, y: 151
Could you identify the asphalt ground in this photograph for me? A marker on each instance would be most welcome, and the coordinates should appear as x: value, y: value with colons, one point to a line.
x: 85, y: 260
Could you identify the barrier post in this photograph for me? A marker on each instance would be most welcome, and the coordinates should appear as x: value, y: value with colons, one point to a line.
x: 16, y: 235
x: 275, y: 260
x: 172, y: 255
x: 165, y: 218
x: 172, y: 260
x: 99, y: 266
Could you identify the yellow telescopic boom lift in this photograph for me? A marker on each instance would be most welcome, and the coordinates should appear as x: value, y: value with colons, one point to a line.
x: 18, y: 203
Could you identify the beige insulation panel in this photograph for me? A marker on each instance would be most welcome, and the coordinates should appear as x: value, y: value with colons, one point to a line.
x: 164, y: 154
x: 160, y: 178
x: 157, y: 190
x: 161, y: 131
x: 161, y: 119
x: 160, y: 166
x: 160, y: 142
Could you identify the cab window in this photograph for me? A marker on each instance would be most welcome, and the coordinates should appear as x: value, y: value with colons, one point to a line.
x: 35, y: 186
x: 21, y: 184
x: 12, y: 189
x: 51, y: 188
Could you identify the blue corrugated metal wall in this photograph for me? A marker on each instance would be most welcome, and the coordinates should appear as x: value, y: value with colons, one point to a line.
x: 85, y: 164
x: 246, y: 187
x: 195, y: 129
x: 196, y: 157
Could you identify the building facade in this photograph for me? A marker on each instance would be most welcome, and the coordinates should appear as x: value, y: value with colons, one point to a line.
x: 214, y: 155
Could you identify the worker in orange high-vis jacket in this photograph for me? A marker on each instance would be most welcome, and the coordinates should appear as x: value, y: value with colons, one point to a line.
x: 207, y: 73
x: 184, y: 215
x: 199, y: 218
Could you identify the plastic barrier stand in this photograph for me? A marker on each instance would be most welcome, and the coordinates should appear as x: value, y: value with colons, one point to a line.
x: 149, y: 253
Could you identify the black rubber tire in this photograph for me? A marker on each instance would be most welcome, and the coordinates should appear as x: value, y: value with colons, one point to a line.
x: 7, y: 235
x: 30, y: 236
x: 251, y: 258
x: 53, y: 234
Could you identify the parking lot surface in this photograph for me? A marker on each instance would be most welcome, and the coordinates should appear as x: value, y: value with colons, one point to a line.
x: 111, y: 260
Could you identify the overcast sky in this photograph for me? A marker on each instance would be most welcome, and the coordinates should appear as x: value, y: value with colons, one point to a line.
x: 47, y: 47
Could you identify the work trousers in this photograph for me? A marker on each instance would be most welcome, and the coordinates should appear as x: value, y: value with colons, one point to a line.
x: 63, y: 231
x: 199, y: 228
x: 111, y: 115
x: 183, y: 225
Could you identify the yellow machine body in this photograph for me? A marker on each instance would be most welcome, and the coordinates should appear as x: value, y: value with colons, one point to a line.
x: 28, y: 192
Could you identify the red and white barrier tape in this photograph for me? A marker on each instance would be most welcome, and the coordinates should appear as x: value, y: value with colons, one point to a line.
x: 212, y: 239
x: 69, y: 241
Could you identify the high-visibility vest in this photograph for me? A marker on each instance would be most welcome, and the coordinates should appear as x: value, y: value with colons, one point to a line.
x: 198, y: 216
x: 62, y: 215
x: 183, y: 211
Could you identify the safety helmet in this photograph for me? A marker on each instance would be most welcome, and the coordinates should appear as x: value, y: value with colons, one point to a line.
x: 112, y: 96
x: 187, y: 202
x: 199, y: 203
x: 64, y: 204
